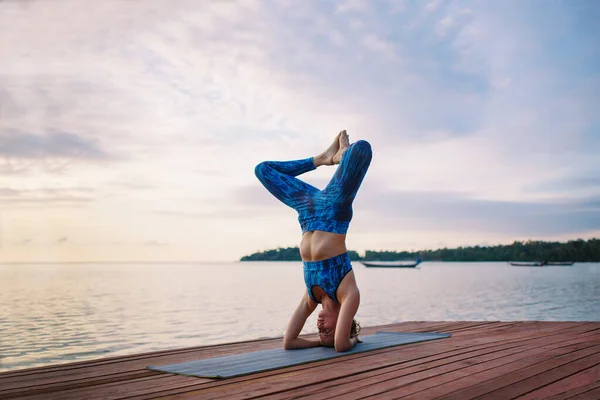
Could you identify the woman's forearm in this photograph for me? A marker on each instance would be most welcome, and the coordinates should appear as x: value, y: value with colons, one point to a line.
x: 300, y: 343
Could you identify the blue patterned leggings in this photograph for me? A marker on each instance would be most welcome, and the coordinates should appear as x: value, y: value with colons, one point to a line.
x: 330, y: 209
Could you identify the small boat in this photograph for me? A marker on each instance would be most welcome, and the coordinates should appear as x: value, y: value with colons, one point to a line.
x: 391, y: 264
x: 560, y: 263
x: 528, y: 264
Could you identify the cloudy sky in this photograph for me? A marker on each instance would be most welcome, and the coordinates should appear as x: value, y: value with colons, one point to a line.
x: 129, y: 130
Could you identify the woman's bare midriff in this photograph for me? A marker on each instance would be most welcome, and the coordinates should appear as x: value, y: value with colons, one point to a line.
x: 319, y: 245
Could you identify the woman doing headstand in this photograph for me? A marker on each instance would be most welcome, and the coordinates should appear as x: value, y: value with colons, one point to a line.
x: 324, y: 216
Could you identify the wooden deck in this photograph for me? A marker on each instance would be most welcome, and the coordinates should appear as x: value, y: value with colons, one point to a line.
x: 487, y: 360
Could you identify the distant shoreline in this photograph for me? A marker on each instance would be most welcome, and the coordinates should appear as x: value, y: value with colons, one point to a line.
x: 574, y: 250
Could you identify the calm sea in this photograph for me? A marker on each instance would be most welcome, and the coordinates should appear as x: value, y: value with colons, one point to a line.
x: 56, y: 313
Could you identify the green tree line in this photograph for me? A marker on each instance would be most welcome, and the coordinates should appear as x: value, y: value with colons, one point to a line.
x: 574, y: 250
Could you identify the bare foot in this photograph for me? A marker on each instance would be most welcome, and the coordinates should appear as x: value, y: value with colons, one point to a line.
x: 344, y: 143
x: 326, y: 157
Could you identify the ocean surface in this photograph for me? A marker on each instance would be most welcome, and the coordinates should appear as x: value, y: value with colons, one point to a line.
x: 57, y: 313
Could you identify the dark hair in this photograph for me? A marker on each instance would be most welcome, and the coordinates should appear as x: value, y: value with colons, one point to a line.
x: 354, y: 329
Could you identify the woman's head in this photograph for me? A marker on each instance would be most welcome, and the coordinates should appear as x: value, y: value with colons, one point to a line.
x: 326, y: 323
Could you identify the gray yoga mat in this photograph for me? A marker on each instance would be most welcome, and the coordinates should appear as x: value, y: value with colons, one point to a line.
x: 247, y: 363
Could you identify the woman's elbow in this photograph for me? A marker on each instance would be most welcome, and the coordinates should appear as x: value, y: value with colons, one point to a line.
x: 341, y: 348
x: 289, y: 344
x: 261, y: 170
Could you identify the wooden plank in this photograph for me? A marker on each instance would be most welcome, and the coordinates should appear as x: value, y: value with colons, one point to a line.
x: 260, y: 386
x: 569, y: 394
x: 545, y: 378
x: 397, y: 383
x: 230, y: 348
x: 518, y: 372
x: 60, y: 375
x: 450, y: 357
x: 593, y: 394
x: 494, y: 326
x: 378, y: 376
x: 470, y: 326
x: 313, y: 367
x: 108, y: 378
x: 293, y: 373
x: 453, y: 382
x: 441, y: 326
x: 361, y: 384
x: 482, y: 348
x: 450, y: 383
x: 456, y: 381
x: 130, y: 357
x: 197, y: 352
x: 101, y: 372
x: 76, y: 379
x: 49, y: 377
x: 582, y: 378
x: 115, y: 390
x: 233, y: 347
x: 357, y: 381
x: 88, y: 389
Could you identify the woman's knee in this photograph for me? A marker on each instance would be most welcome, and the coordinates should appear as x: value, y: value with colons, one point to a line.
x: 363, y: 148
x: 261, y: 169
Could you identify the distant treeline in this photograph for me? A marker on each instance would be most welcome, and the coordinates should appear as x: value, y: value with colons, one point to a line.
x: 287, y: 254
x: 574, y: 250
